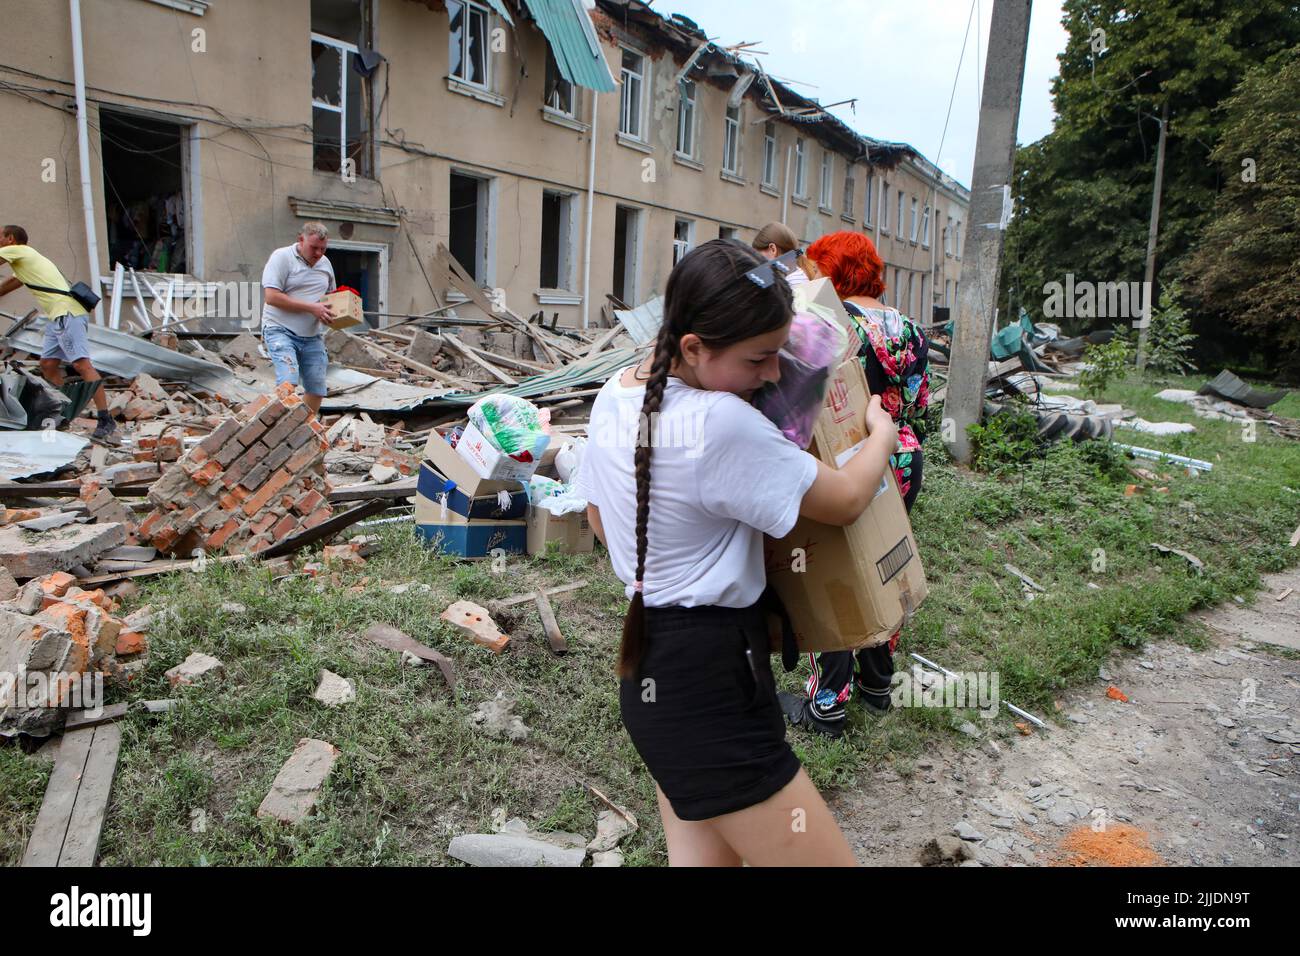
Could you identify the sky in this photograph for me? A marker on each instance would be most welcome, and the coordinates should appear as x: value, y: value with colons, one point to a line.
x: 898, y: 57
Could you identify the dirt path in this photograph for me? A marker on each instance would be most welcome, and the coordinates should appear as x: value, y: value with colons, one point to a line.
x: 1202, y: 760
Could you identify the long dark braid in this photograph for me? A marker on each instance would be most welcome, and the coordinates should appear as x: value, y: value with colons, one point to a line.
x: 707, y: 294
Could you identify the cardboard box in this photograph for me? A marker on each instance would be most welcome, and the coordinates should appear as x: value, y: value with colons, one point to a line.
x: 489, y: 462
x: 850, y: 587
x: 432, y: 483
x: 452, y: 466
x: 451, y: 533
x: 572, y: 530
x: 346, y: 308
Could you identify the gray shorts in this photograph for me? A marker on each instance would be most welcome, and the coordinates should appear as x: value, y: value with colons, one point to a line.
x: 65, y: 338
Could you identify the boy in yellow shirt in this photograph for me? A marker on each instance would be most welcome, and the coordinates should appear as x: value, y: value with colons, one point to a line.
x: 67, y: 322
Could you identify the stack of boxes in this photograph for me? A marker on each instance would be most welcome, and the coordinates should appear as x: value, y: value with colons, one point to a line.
x: 254, y: 481
x: 471, y: 501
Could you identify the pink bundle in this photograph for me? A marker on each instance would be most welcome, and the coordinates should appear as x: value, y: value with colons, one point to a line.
x: 793, y: 403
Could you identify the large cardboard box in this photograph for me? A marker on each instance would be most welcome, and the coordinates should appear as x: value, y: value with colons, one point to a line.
x: 490, y: 462
x: 572, y: 530
x: 452, y: 533
x: 850, y: 587
x: 452, y: 466
x: 346, y: 309
x: 503, y: 505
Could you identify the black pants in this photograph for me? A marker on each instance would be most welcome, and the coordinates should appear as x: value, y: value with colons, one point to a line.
x: 832, y: 683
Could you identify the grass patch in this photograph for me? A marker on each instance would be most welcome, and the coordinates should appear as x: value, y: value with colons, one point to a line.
x: 412, y: 772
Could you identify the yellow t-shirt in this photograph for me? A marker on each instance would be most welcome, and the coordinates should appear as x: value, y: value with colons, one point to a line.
x: 30, y: 267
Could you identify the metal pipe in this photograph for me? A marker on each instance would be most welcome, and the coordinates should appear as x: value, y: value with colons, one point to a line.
x: 83, y: 149
x: 1154, y: 455
x: 591, y: 199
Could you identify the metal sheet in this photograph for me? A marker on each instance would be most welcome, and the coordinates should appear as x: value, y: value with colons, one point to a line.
x: 118, y: 353
x: 595, y: 369
x: 643, y: 322
x: 572, y: 38
x: 24, y: 454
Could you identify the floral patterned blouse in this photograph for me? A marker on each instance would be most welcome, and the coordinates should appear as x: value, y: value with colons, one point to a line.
x: 895, y: 356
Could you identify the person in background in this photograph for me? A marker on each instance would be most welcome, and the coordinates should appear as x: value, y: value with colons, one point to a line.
x: 893, y: 351
x: 66, y: 325
x: 294, y: 281
x: 776, y: 239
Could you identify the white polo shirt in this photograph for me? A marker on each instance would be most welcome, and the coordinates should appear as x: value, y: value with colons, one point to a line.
x: 721, y: 476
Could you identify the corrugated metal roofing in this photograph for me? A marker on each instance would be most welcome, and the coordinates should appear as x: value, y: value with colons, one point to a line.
x: 573, y: 41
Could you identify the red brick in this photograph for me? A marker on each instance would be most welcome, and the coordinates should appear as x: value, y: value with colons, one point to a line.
x: 263, y: 522
x: 251, y: 432
x: 207, y: 474
x: 267, y: 492
x: 228, y: 502
x: 257, y: 477
x: 286, y: 526
x: 303, y: 457
x: 309, y: 502
x: 316, y: 517
x: 240, y: 495
x: 228, y: 453
x: 300, y: 435
x: 218, y: 437
x: 271, y: 414
x: 164, y: 537
x: 287, y: 423
x: 223, y: 534
x: 130, y: 642
x: 150, y: 524
x: 279, y: 455
x: 252, y: 409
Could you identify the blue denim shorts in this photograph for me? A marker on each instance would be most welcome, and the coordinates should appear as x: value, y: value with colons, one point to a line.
x: 65, y: 338
x: 298, y: 359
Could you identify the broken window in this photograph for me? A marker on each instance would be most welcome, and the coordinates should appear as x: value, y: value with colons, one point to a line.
x: 769, y: 153
x: 559, y: 91
x: 884, y: 206
x: 731, y: 141
x: 800, y: 169
x: 630, y: 110
x: 915, y: 222
x: 683, y: 236
x: 925, y: 227
x: 557, y: 240
x: 947, y: 237
x: 827, y: 166
x: 146, y: 211
x: 627, y: 253
x: 728, y: 232
x: 899, y: 225
x: 686, y: 118
x: 468, y: 237
x: 848, y: 191
x: 468, y: 39
x: 870, y: 195
x: 340, y: 88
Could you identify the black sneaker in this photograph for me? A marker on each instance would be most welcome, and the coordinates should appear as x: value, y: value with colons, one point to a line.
x: 105, y: 428
x: 874, y: 702
x: 799, y: 711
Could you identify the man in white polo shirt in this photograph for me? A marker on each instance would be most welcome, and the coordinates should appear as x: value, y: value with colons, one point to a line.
x: 294, y: 281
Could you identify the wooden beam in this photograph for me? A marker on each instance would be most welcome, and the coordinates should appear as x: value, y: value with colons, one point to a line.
x: 550, y: 625
x: 488, y: 367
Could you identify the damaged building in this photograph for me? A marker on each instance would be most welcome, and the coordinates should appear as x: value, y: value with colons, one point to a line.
x: 563, y: 152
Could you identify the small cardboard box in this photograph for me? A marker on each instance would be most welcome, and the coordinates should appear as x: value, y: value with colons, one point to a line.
x: 850, y: 587
x: 464, y: 537
x: 572, y: 530
x: 453, y: 467
x: 491, y: 463
x: 489, y: 507
x: 346, y: 309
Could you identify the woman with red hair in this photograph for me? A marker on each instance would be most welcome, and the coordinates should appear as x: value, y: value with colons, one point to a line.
x: 893, y: 352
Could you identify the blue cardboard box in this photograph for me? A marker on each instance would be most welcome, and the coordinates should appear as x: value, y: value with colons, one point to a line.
x: 486, y: 507
x: 451, y: 533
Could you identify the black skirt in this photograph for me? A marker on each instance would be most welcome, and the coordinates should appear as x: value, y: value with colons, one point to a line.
x: 703, y: 712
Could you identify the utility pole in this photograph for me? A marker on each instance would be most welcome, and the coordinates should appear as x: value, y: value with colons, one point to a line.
x: 1148, y: 286
x: 990, y: 209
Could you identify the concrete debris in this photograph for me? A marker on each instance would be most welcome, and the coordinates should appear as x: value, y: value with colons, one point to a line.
x: 508, y: 849
x: 611, y: 827
x: 297, y: 786
x: 496, y: 718
x: 335, y: 691
x: 193, y: 668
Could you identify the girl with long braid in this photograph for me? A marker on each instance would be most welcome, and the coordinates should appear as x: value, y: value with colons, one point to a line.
x: 684, y: 477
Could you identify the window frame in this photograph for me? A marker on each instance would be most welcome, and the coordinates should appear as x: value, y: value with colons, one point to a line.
x: 925, y: 227
x: 884, y: 206
x: 565, y: 242
x: 914, y: 231
x: 345, y: 49
x: 642, y: 77
x: 850, y: 190
x: 731, y: 139
x: 900, y: 232
x: 471, y: 7
x: 687, y: 122
x: 826, y: 194
x: 683, y: 246
x: 800, y: 168
x: 769, y: 153
x: 553, y: 69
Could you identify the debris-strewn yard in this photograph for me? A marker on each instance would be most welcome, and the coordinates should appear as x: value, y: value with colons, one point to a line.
x: 414, y: 770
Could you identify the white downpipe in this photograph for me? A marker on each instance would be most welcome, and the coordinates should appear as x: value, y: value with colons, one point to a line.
x: 785, y: 189
x: 591, y: 199
x: 83, y: 150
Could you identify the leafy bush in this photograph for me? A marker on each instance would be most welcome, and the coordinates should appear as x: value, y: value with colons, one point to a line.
x: 1004, y: 440
x: 1170, y: 340
x: 1105, y: 362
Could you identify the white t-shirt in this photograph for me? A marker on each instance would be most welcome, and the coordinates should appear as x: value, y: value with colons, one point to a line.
x: 721, y: 476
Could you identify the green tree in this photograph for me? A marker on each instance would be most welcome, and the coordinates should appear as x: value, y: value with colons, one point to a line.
x: 1083, y: 193
x: 1246, y: 268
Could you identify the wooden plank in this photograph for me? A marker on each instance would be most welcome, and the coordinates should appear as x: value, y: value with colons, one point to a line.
x: 87, y: 822
x: 392, y: 490
x: 46, y: 842
x: 409, y: 362
x: 488, y: 367
x: 550, y: 625
x: 601, y: 343
x: 80, y: 718
x: 549, y: 592
x: 533, y: 368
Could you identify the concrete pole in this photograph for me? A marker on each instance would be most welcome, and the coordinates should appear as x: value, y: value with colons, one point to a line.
x: 591, y: 205
x: 1153, y: 230
x: 995, y: 150
x: 83, y: 152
